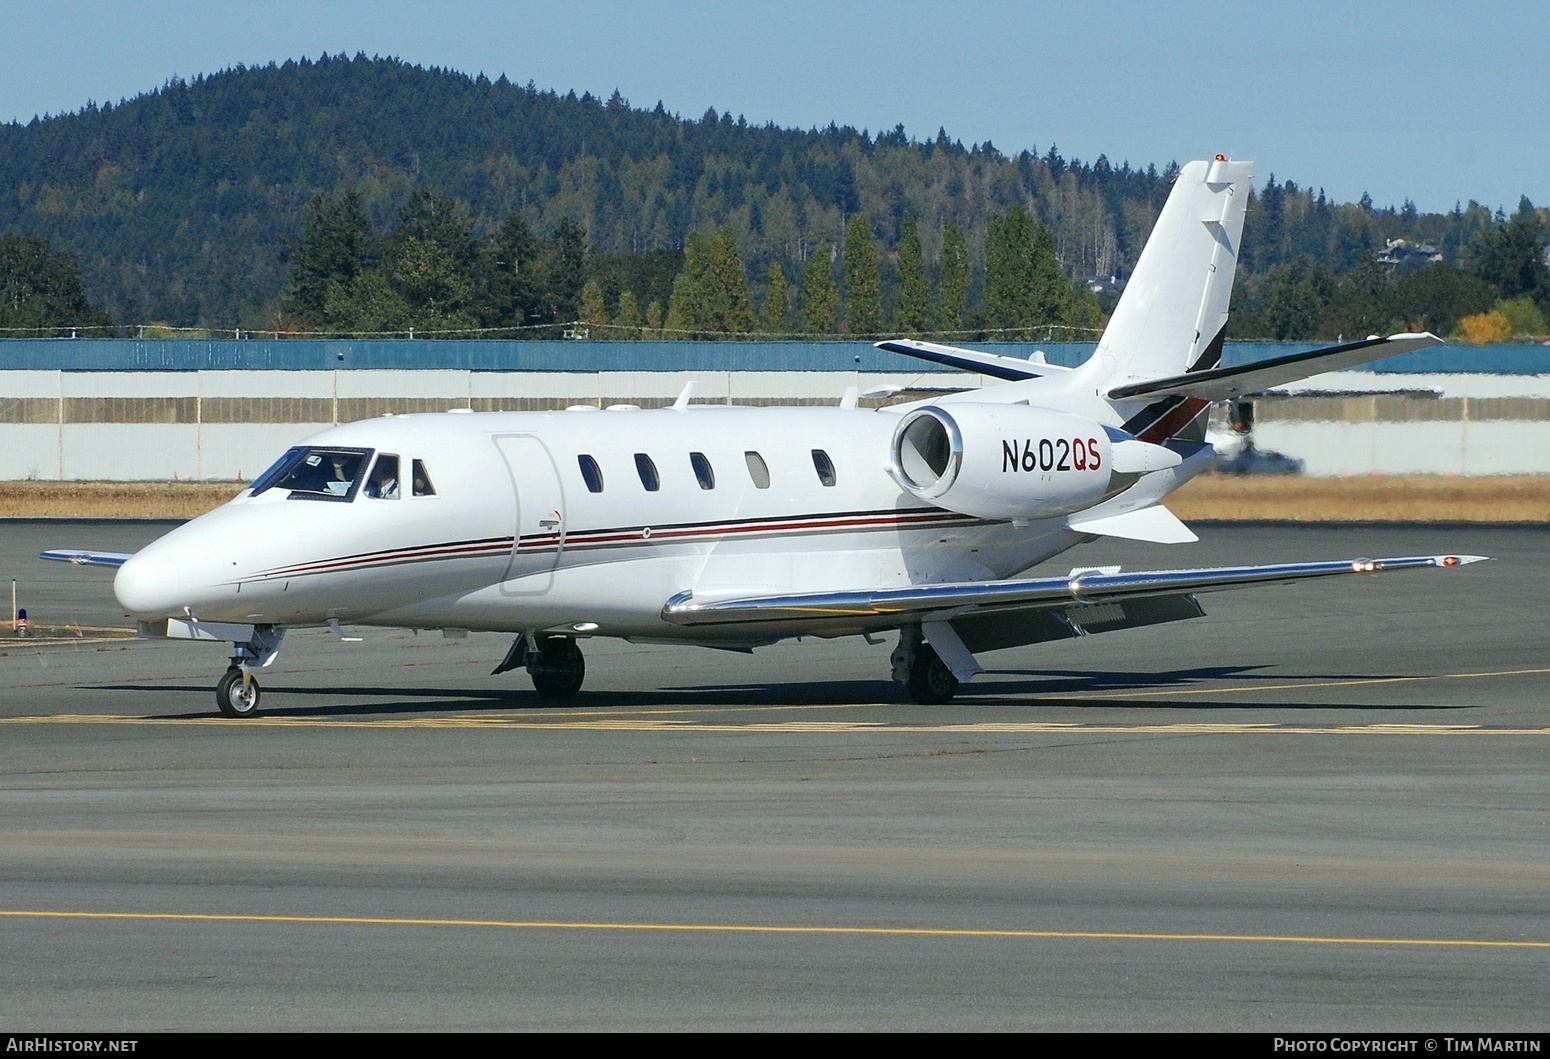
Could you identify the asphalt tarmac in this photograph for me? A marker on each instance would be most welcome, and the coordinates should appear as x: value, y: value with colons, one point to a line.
x: 1321, y: 807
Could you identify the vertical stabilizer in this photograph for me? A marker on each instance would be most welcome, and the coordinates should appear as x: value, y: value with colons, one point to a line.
x: 1173, y: 314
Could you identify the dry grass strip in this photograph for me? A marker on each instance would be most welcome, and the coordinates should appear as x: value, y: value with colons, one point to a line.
x: 1411, y: 498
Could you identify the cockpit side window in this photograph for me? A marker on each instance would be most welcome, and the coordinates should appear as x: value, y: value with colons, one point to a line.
x: 422, y: 480
x: 382, y: 483
x: 825, y: 468
x: 324, y: 474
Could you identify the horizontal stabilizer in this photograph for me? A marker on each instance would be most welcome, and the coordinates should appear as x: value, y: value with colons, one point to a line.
x: 992, y: 364
x: 1218, y: 384
x: 1155, y: 524
x: 85, y: 558
x: 1039, y: 593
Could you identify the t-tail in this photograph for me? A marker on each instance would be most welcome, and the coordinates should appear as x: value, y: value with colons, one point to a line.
x: 1172, y: 318
x: 1158, y: 367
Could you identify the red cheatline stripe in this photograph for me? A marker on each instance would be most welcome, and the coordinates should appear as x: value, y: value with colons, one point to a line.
x: 596, y: 538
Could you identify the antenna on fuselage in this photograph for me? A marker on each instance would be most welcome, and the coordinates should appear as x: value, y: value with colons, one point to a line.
x: 683, y: 398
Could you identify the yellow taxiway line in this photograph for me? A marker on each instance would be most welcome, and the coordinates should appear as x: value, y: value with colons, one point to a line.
x: 756, y: 928
x: 686, y: 718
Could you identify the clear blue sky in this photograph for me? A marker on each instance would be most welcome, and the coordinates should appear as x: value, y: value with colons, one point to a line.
x: 1435, y: 102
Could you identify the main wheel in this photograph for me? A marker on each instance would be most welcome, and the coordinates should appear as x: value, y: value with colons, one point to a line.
x: 931, y: 683
x: 559, y: 669
x: 235, y: 696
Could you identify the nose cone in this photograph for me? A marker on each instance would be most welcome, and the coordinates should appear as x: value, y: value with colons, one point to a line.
x: 148, y: 586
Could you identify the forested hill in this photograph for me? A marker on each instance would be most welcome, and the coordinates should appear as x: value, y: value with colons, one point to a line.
x: 179, y: 204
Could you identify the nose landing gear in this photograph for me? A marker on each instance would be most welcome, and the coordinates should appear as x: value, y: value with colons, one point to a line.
x: 237, y: 693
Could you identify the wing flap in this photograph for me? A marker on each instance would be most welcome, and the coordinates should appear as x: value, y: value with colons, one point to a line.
x: 1040, y: 593
x: 1218, y: 384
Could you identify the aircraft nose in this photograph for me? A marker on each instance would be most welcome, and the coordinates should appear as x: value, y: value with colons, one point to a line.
x: 148, y: 586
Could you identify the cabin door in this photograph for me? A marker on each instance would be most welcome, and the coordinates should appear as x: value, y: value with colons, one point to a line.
x: 539, y: 517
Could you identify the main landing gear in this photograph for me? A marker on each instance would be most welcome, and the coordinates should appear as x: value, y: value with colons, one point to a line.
x: 236, y: 693
x: 554, y: 662
x: 921, y: 670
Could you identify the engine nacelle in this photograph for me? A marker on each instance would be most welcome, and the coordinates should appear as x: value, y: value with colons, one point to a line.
x: 1016, y: 462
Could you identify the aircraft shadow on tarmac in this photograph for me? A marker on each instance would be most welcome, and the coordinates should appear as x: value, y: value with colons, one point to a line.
x: 1019, y: 688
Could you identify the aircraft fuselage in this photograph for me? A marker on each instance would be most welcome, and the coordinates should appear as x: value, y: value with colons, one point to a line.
x: 586, y: 521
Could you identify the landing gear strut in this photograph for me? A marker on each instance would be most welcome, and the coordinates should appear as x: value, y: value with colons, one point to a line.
x: 554, y: 662
x: 921, y: 670
x: 236, y: 693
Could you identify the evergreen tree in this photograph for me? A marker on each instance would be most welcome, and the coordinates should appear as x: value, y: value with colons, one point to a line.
x: 627, y: 320
x: 336, y: 245
x: 955, y: 277
x: 863, y: 284
x: 730, y: 310
x: 1008, y: 303
x: 594, y: 313
x: 41, y: 290
x: 564, y: 271
x: 820, y: 295
x: 1512, y: 255
x: 512, y: 290
x: 913, y: 314
x: 431, y: 262
x: 688, y: 306
x: 1054, y: 301
x: 777, y: 302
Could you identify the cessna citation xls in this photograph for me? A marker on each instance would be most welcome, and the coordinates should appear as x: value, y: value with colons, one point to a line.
x: 735, y: 527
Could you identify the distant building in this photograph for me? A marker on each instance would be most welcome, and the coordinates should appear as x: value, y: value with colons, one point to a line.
x: 1405, y: 255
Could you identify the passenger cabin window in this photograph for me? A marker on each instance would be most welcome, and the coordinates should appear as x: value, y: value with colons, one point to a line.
x: 316, y: 473
x: 422, y: 480
x: 591, y: 473
x: 758, y: 470
x: 702, y: 470
x: 382, y: 483
x: 648, y: 472
x: 824, y: 466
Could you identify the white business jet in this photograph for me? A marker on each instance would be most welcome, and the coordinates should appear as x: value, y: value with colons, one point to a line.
x: 734, y: 527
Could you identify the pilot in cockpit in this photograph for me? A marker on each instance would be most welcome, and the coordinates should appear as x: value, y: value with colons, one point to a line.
x: 384, y: 478
x: 343, y: 474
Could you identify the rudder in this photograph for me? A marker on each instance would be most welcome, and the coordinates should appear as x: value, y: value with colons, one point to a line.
x: 1172, y: 317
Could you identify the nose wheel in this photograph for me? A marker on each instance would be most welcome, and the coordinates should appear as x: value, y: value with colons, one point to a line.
x: 237, y: 693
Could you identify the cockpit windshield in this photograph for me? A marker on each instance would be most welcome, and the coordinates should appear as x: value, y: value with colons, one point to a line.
x: 316, y: 473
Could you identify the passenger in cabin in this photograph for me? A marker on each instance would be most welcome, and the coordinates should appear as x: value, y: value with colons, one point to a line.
x: 384, y: 478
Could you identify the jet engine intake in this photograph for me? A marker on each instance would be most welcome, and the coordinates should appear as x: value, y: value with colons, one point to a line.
x: 1016, y: 461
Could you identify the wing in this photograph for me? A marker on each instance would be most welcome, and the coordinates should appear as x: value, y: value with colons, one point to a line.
x: 86, y: 558
x: 1079, y: 589
x: 1219, y: 384
x: 992, y: 364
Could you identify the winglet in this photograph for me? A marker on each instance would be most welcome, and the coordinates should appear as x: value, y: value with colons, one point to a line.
x: 86, y: 558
